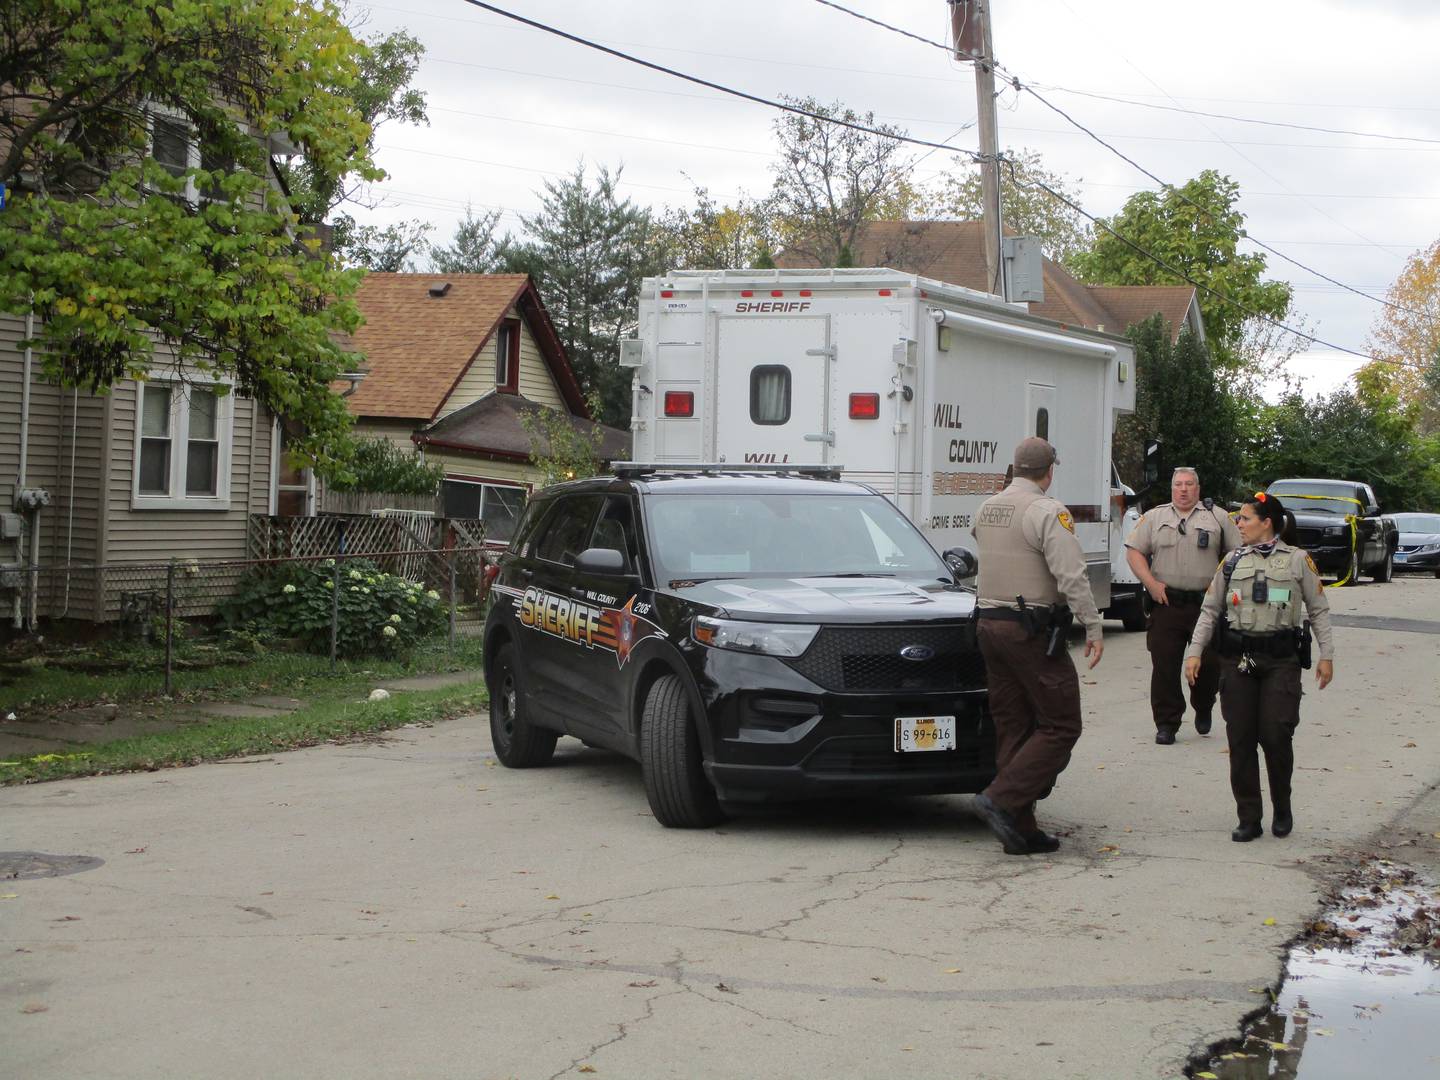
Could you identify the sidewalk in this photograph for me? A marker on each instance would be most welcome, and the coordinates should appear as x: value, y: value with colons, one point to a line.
x: 94, y: 724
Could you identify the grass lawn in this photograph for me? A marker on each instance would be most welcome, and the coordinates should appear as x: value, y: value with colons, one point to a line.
x: 132, y: 673
x: 335, y: 709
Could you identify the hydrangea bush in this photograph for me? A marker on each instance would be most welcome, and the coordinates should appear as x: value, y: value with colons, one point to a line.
x: 380, y: 614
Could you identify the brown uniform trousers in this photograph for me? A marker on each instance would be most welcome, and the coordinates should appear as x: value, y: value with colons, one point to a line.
x: 1166, y: 635
x: 1261, y: 711
x: 1035, y: 702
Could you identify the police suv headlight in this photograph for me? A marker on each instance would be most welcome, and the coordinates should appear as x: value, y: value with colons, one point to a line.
x: 771, y: 639
x: 1335, y: 530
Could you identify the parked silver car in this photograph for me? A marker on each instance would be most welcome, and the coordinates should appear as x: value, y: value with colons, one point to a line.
x: 1419, y: 542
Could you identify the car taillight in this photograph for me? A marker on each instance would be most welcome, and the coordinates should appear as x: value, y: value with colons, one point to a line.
x: 679, y: 403
x: 864, y: 406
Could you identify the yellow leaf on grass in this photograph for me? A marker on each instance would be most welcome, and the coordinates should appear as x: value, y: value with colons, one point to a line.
x: 1280, y: 1046
x: 9, y: 896
x: 1269, y: 922
x: 1208, y: 1076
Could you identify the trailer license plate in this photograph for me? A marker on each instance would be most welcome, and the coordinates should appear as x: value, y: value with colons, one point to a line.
x: 914, y: 733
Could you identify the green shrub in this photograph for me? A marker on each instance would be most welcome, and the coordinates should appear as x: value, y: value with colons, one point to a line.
x: 380, y: 614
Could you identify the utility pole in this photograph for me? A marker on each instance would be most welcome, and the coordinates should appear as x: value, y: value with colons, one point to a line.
x: 970, y: 24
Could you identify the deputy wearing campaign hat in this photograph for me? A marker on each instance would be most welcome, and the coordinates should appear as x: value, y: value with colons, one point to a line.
x: 1032, y: 582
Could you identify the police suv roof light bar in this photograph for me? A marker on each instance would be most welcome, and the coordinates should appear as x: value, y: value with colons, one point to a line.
x: 640, y: 468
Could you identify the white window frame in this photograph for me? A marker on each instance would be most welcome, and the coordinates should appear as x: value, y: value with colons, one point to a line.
x: 179, y: 446
x: 311, y: 494
x: 515, y: 485
x: 193, y: 157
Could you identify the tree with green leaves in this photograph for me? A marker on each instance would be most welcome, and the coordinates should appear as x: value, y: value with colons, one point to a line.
x: 146, y: 226
x: 1028, y: 209
x: 379, y: 466
x: 474, y: 248
x: 1361, y: 434
x: 588, y: 250
x: 560, y: 448
x: 1181, y: 400
x: 830, y: 180
x: 711, y: 236
x: 1406, y: 337
x: 382, y: 249
x: 1196, y: 229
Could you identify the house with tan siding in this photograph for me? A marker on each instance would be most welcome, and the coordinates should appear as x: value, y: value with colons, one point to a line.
x: 452, y: 362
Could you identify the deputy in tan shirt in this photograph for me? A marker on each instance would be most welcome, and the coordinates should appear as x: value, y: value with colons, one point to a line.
x: 1174, y: 551
x: 1031, y: 565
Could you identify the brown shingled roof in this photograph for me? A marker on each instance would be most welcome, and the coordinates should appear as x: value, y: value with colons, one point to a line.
x: 417, y: 346
x: 491, y: 425
x: 954, y: 252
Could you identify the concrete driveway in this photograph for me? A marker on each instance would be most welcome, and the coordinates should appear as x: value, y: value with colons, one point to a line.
x: 407, y: 908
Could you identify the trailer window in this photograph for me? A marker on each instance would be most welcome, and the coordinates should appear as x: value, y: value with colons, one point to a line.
x: 1042, y: 423
x: 770, y: 394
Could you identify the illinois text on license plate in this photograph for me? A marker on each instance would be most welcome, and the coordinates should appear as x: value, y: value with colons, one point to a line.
x: 924, y: 733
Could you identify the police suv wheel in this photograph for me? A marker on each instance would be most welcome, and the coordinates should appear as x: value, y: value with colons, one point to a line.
x: 518, y: 744
x: 680, y: 796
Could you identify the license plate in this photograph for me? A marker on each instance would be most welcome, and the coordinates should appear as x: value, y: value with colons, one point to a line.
x: 919, y: 733
x: 1400, y: 556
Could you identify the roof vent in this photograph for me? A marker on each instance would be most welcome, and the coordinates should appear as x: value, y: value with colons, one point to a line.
x: 439, y: 289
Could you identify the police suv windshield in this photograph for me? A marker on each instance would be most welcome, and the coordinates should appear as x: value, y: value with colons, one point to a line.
x: 702, y: 537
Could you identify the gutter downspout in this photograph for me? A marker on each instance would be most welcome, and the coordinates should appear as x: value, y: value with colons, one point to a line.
x: 18, y: 616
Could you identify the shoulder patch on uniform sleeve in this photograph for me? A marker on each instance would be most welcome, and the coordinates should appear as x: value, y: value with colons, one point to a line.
x: 1066, y: 520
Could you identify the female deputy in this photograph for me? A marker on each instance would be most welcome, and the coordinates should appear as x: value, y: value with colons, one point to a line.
x: 1253, y: 607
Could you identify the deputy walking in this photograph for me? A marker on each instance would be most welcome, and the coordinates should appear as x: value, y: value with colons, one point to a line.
x: 1174, y: 551
x: 1032, y: 578
x: 1253, y: 610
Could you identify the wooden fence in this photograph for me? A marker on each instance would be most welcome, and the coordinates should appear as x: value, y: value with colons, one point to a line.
x: 357, y: 534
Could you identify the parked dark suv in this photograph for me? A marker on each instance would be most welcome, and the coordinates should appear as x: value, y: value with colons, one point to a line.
x: 746, y: 636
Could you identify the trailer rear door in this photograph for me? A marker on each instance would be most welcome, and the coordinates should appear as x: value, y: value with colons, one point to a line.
x: 772, y: 389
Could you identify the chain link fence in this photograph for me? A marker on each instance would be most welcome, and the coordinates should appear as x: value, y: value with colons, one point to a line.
x: 343, y: 605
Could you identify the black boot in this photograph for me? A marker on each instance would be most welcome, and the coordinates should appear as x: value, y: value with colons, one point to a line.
x: 1041, y: 843
x: 1282, y: 822
x: 1247, y: 831
x: 1165, y: 738
x: 1202, y: 722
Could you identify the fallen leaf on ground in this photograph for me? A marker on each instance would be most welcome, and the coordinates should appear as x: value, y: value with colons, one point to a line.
x: 34, y: 1008
x: 952, y: 971
x: 1269, y: 922
x: 586, y: 1068
x: 1322, y: 1031
x: 643, y: 985
x: 725, y: 989
x: 552, y: 896
x: 136, y: 851
x: 9, y: 896
x: 1207, y: 1076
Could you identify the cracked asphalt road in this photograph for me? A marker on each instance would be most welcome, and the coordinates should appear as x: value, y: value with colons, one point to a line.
x: 409, y: 909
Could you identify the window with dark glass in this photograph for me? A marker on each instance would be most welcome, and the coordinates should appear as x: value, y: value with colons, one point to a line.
x: 202, y: 444
x: 770, y: 394
x: 498, y: 505
x: 170, y: 143
x: 615, y: 528
x: 567, y: 529
x: 155, y: 440
x: 1042, y: 423
x: 507, y: 358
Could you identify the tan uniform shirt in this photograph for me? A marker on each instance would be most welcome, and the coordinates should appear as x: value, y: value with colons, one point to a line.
x: 1028, y: 548
x: 1180, y: 560
x: 1235, y: 599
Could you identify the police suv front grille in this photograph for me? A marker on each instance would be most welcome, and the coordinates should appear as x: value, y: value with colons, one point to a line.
x: 876, y: 754
x: 865, y: 658
x: 1309, y: 538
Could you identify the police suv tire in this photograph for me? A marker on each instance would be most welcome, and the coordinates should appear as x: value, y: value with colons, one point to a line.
x: 671, y: 760
x: 518, y: 743
x: 1385, y: 571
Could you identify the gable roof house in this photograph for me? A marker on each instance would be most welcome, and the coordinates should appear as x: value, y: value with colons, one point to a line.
x: 452, y: 364
x: 954, y: 251
x: 168, y: 468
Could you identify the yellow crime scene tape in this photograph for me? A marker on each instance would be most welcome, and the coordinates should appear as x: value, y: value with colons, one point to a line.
x: 1349, y: 520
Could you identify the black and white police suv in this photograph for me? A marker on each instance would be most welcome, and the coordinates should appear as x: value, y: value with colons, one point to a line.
x: 746, y: 635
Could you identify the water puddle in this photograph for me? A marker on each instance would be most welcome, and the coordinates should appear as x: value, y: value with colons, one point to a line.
x: 1361, y: 994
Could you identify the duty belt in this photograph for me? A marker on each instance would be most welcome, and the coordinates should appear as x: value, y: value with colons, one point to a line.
x: 1283, y: 644
x: 1184, y: 597
x: 1013, y: 614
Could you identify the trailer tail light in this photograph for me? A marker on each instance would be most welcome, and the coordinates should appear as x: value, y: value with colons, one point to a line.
x: 667, y: 293
x: 884, y: 292
x: 806, y: 292
x: 864, y: 406
x: 777, y: 292
x: 679, y: 403
x: 747, y: 292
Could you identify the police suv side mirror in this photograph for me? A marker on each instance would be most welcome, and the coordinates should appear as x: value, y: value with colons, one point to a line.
x: 962, y: 562
x: 606, y: 562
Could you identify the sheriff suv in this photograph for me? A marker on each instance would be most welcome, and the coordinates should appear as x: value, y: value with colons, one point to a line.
x: 745, y: 636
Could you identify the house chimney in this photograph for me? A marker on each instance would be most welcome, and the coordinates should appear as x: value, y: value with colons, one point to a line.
x: 439, y: 289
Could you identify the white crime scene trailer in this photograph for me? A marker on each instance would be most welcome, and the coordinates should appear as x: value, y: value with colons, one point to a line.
x: 918, y: 388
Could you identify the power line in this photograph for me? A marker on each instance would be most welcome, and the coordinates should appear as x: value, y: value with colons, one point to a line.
x: 1239, y: 119
x: 784, y: 106
x: 1026, y: 87
x: 1205, y: 210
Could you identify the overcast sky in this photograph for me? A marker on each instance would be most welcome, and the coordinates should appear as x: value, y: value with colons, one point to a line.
x: 511, y: 106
